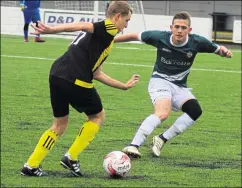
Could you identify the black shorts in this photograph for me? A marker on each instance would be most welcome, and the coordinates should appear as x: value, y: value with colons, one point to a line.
x: 63, y: 93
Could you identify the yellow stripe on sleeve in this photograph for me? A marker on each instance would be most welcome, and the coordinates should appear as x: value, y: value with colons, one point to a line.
x: 110, y: 27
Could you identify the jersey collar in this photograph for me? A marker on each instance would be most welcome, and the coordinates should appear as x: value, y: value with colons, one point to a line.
x: 178, y: 45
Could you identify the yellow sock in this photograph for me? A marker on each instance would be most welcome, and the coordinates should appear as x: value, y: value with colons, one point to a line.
x: 45, y: 144
x: 85, y: 136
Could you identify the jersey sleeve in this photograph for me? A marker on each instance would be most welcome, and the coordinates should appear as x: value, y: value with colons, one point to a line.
x: 151, y: 37
x: 104, y: 27
x: 205, y: 45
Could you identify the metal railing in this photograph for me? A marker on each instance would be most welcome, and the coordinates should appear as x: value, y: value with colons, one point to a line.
x: 223, y: 26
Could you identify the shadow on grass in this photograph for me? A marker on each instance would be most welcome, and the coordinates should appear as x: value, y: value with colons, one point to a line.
x: 211, y: 165
x: 66, y: 174
x: 106, y: 177
x: 60, y: 174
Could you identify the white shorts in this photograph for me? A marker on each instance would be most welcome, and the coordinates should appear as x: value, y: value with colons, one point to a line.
x: 159, y: 88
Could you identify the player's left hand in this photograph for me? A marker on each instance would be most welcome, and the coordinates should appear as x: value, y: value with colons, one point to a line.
x: 132, y: 81
x: 224, y: 52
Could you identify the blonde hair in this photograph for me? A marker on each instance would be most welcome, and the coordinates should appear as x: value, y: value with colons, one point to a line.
x: 116, y: 7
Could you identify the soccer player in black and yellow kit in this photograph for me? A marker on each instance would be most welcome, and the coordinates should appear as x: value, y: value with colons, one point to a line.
x: 70, y: 82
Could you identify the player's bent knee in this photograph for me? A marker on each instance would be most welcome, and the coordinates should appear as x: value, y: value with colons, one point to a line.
x: 98, y: 118
x: 162, y: 116
x: 59, y: 125
x: 192, y: 108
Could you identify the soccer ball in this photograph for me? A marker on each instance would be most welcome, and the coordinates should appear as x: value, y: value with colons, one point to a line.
x: 117, y: 164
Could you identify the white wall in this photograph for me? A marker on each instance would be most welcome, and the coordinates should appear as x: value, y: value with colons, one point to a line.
x: 12, y: 21
x: 237, y: 31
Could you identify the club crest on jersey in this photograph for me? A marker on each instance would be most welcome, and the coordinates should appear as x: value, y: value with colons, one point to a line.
x: 189, y: 54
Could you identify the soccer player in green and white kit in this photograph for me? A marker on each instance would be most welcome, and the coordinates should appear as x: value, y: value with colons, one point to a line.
x: 176, y: 51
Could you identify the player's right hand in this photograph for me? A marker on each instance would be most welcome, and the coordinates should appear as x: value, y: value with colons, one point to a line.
x: 42, y: 29
x: 22, y: 7
x: 132, y: 81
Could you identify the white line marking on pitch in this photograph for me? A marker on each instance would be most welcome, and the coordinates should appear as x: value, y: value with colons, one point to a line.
x: 117, y: 47
x: 125, y: 64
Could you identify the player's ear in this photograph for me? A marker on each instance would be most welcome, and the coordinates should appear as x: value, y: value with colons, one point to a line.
x: 190, y: 29
x: 117, y: 16
x: 171, y: 27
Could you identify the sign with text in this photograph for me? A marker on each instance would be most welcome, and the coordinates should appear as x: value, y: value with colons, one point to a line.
x: 55, y: 18
x: 12, y: 21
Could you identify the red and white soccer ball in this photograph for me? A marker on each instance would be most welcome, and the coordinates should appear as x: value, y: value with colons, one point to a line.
x: 117, y: 164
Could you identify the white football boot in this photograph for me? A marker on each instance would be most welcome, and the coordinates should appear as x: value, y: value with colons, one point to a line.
x: 132, y: 152
x: 158, y: 144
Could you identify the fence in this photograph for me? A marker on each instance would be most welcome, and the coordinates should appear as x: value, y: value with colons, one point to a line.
x: 223, y: 26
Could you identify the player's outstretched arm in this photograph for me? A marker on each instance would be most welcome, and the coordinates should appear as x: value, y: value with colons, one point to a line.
x: 127, y: 37
x: 68, y: 27
x: 224, y: 52
x: 107, y: 80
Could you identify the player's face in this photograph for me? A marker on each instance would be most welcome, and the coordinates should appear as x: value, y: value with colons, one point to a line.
x: 180, y: 29
x: 121, y: 22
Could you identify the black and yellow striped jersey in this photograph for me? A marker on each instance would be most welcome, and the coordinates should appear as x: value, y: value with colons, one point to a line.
x: 85, y: 54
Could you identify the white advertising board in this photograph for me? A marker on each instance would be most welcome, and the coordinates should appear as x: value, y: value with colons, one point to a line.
x: 237, y: 31
x: 54, y: 18
x: 12, y: 22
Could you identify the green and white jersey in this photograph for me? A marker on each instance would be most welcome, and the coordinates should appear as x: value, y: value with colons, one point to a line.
x: 173, y: 62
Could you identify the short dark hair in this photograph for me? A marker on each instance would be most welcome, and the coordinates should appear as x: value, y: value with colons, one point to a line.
x: 121, y: 7
x: 182, y: 16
